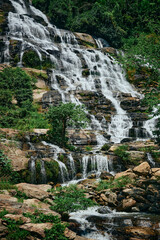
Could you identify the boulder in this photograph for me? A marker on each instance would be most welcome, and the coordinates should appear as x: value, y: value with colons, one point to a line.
x: 36, y: 203
x: 38, y: 228
x: 69, y: 234
x: 155, y: 172
x: 111, y: 198
x: 85, y: 39
x: 140, y: 232
x: 128, y: 173
x: 142, y: 169
x: 32, y: 191
x: 128, y: 203
x: 16, y: 218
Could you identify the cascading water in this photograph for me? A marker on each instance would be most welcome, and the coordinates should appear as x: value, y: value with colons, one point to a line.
x: 95, y: 164
x: 67, y: 56
x: 63, y: 169
x: 33, y: 169
x: 150, y: 160
x: 43, y: 172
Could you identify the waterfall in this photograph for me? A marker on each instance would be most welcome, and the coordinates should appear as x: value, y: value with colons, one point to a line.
x: 43, y: 172
x: 72, y: 165
x: 150, y: 160
x: 33, y: 169
x: 69, y: 59
x: 96, y: 164
x: 62, y: 167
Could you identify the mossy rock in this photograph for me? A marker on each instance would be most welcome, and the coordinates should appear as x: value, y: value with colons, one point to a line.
x: 52, y: 171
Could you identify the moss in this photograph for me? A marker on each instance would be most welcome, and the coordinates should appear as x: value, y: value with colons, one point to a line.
x: 52, y: 171
x: 38, y: 171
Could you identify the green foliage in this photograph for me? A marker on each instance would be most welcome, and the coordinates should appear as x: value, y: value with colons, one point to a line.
x: 56, y: 232
x: 3, y: 213
x: 105, y: 147
x: 111, y: 19
x: 20, y: 196
x: 121, y: 152
x: 14, y: 232
x: 6, y: 172
x: 88, y: 148
x: 52, y: 171
x: 16, y: 84
x: 116, y: 183
x: 5, y: 185
x: 38, y: 217
x: 63, y: 116
x: 70, y: 199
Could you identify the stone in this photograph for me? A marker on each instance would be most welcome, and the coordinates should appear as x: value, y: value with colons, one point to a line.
x: 111, y: 198
x: 85, y: 39
x: 36, y: 203
x: 17, y: 218
x: 142, y: 169
x: 69, y: 234
x: 128, y: 173
x: 32, y: 191
x: 143, y: 232
x: 127, y: 204
x: 134, y: 191
x: 37, y: 228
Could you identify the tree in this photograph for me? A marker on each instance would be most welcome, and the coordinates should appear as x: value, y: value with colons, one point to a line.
x: 63, y: 116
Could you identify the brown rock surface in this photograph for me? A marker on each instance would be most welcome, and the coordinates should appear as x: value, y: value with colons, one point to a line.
x: 37, y: 228
x: 128, y: 203
x: 128, y: 173
x: 142, y: 169
x: 32, y: 191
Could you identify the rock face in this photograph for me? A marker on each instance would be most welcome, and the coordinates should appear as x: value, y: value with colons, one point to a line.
x: 33, y: 191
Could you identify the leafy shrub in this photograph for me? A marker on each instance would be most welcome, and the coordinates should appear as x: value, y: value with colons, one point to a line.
x: 105, y: 147
x: 116, y: 183
x: 70, y: 199
x: 3, y: 213
x: 121, y: 152
x: 6, y: 172
x: 38, y: 217
x: 14, y: 232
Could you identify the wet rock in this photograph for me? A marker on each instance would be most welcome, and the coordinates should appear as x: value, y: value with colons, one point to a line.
x: 105, y: 175
x: 143, y: 169
x: 85, y: 39
x: 104, y: 210
x: 140, y: 232
x: 111, y: 198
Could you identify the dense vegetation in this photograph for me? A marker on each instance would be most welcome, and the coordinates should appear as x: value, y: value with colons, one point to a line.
x: 16, y: 102
x: 70, y: 199
x: 109, y: 19
x: 63, y: 116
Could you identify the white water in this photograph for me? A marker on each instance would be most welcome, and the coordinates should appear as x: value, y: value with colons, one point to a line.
x: 69, y: 67
x: 150, y: 160
x: 43, y: 172
x: 72, y: 165
x: 33, y: 169
x: 62, y: 167
x: 94, y: 233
